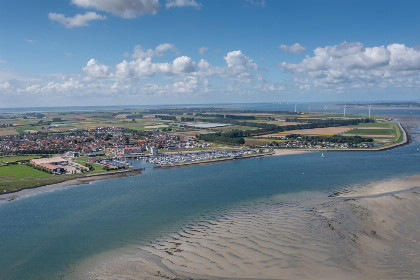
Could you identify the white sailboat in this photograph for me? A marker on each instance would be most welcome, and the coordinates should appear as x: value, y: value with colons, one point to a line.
x: 322, y: 155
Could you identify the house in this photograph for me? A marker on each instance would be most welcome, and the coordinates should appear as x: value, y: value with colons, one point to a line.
x: 154, y: 151
x: 94, y: 159
x: 132, y: 150
x: 57, y: 169
x: 72, y: 154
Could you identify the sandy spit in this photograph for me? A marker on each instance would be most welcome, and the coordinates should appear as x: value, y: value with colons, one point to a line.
x: 369, y: 232
x: 284, y: 152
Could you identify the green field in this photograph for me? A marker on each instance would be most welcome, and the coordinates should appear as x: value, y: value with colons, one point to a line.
x: 19, y: 176
x: 17, y: 158
x: 376, y: 124
x: 399, y: 135
x: 379, y: 131
x: 19, y: 171
x: 14, y: 177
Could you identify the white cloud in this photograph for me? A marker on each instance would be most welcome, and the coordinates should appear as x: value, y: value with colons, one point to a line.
x: 121, y: 8
x: 183, y: 64
x: 260, y: 3
x: 2, y: 61
x: 158, y: 52
x: 236, y: 59
x: 203, y: 50
x: 182, y: 3
x: 403, y: 58
x: 239, y: 65
x: 352, y: 65
x: 142, y: 68
x: 5, y: 85
x: 295, y: 48
x: 28, y: 41
x: 96, y: 70
x: 76, y: 21
x: 188, y: 84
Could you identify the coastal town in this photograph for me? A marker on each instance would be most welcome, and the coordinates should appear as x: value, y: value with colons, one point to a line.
x: 63, y: 146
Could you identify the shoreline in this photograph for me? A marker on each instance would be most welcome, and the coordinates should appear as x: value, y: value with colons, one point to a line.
x: 293, y: 151
x: 131, y: 172
x: 366, y: 232
x: 10, y: 196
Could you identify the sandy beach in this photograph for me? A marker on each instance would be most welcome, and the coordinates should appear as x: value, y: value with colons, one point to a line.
x: 284, y: 152
x: 364, y: 232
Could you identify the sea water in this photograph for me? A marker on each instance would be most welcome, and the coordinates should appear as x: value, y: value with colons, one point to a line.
x: 44, y: 236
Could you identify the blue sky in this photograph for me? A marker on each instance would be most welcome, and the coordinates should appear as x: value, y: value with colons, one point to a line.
x: 108, y: 52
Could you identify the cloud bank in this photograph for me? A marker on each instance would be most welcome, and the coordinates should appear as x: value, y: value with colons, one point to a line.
x: 352, y: 65
x: 163, y: 71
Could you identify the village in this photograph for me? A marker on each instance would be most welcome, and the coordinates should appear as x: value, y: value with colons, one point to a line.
x: 94, y: 142
x: 113, y: 140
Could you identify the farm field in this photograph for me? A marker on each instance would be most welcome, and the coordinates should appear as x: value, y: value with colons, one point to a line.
x: 314, y: 131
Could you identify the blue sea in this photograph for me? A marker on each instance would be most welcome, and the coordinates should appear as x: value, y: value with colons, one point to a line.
x: 44, y: 236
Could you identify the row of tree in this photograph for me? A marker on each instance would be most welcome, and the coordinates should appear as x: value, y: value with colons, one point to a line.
x: 222, y: 116
x: 235, y: 137
x: 331, y: 139
x: 187, y: 119
x: 165, y: 117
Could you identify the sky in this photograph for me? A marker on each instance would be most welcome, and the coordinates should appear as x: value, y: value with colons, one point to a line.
x: 142, y: 52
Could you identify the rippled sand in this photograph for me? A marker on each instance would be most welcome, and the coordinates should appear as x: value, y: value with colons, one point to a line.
x: 367, y: 233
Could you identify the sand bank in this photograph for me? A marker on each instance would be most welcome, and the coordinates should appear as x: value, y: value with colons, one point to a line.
x: 284, y: 152
x: 349, y: 236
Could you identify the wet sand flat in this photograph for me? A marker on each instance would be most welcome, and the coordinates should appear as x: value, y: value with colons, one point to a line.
x: 366, y: 232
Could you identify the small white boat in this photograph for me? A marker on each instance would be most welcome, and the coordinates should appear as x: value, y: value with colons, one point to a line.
x: 322, y: 155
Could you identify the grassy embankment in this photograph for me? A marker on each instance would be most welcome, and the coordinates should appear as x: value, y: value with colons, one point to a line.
x: 20, y: 176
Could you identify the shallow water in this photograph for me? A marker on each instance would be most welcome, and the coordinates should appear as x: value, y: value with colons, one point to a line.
x: 45, y: 235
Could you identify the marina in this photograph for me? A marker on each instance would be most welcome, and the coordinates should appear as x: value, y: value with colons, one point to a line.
x: 202, y: 156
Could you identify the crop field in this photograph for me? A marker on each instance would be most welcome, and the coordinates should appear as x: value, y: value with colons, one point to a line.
x: 8, y: 132
x: 372, y: 131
